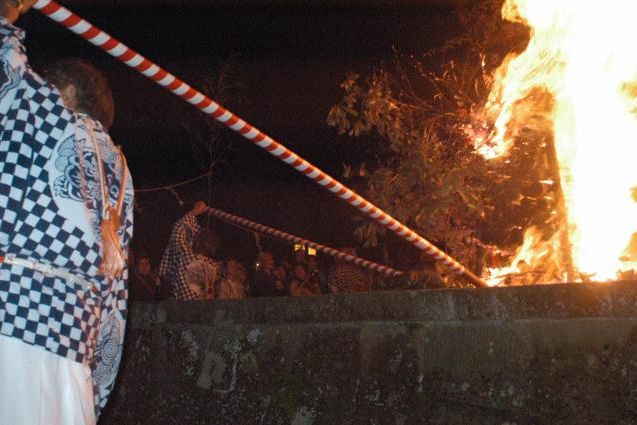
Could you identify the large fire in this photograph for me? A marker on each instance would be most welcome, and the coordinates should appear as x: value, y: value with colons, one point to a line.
x: 583, y: 54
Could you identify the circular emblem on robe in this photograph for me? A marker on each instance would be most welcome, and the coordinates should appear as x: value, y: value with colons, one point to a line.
x: 108, y: 351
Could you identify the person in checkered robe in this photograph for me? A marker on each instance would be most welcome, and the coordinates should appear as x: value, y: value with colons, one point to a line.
x: 346, y: 277
x: 173, y: 269
x: 60, y: 342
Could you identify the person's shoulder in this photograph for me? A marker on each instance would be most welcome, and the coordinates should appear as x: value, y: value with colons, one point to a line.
x: 17, y: 76
x: 15, y: 62
x: 188, y: 220
x: 92, y: 126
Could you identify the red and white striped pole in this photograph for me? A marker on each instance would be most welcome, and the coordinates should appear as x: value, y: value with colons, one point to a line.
x: 134, y: 60
x: 388, y: 271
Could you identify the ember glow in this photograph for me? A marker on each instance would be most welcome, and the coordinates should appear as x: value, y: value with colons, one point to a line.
x: 583, y: 54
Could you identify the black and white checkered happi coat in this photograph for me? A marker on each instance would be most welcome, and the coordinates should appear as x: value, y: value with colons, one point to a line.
x: 50, y: 210
x: 177, y: 256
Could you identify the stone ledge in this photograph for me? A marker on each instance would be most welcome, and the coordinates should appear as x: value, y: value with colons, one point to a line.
x: 553, y: 354
x: 514, y: 303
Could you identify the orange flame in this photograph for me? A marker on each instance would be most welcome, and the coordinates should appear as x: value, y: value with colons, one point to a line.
x: 536, y: 260
x: 582, y: 52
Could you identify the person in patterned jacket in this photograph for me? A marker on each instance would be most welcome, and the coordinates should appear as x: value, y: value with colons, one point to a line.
x: 346, y: 277
x: 179, y: 254
x: 66, y: 204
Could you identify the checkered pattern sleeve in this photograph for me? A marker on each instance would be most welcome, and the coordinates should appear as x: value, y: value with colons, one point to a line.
x: 185, y: 230
x: 179, y: 244
x: 178, y: 255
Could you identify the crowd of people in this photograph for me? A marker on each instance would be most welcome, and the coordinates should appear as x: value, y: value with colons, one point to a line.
x: 66, y: 225
x: 191, y: 270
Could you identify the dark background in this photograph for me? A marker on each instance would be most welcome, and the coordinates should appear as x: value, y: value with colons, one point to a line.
x: 288, y: 60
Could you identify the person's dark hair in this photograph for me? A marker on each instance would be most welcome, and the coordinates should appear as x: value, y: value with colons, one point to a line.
x: 206, y: 243
x: 93, y: 93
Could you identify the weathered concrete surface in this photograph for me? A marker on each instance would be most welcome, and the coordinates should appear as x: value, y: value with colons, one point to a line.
x: 554, y: 354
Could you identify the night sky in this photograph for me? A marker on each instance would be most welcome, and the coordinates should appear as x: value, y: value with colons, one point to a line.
x: 288, y: 62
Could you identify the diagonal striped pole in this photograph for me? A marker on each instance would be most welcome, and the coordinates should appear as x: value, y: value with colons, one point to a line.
x: 134, y: 60
x: 244, y: 222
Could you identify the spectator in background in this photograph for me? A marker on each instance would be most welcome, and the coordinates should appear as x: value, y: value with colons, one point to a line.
x: 179, y: 253
x: 263, y: 282
x: 233, y: 285
x: 346, y: 277
x: 203, y: 272
x: 301, y: 283
x: 280, y: 281
x: 300, y: 257
x: 145, y: 285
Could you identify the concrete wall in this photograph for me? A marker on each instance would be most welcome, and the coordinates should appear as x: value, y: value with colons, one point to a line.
x: 554, y: 354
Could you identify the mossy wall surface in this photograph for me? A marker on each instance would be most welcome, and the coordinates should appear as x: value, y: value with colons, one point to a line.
x: 552, y: 354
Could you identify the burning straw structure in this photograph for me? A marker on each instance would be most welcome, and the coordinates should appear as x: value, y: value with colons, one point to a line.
x: 243, y: 222
x: 133, y: 59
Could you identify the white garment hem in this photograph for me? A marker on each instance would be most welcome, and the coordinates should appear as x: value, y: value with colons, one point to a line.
x: 41, y: 388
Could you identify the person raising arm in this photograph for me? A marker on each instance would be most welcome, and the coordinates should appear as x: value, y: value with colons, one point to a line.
x: 66, y: 202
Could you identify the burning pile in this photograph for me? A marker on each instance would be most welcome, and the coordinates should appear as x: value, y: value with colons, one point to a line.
x: 582, y: 55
